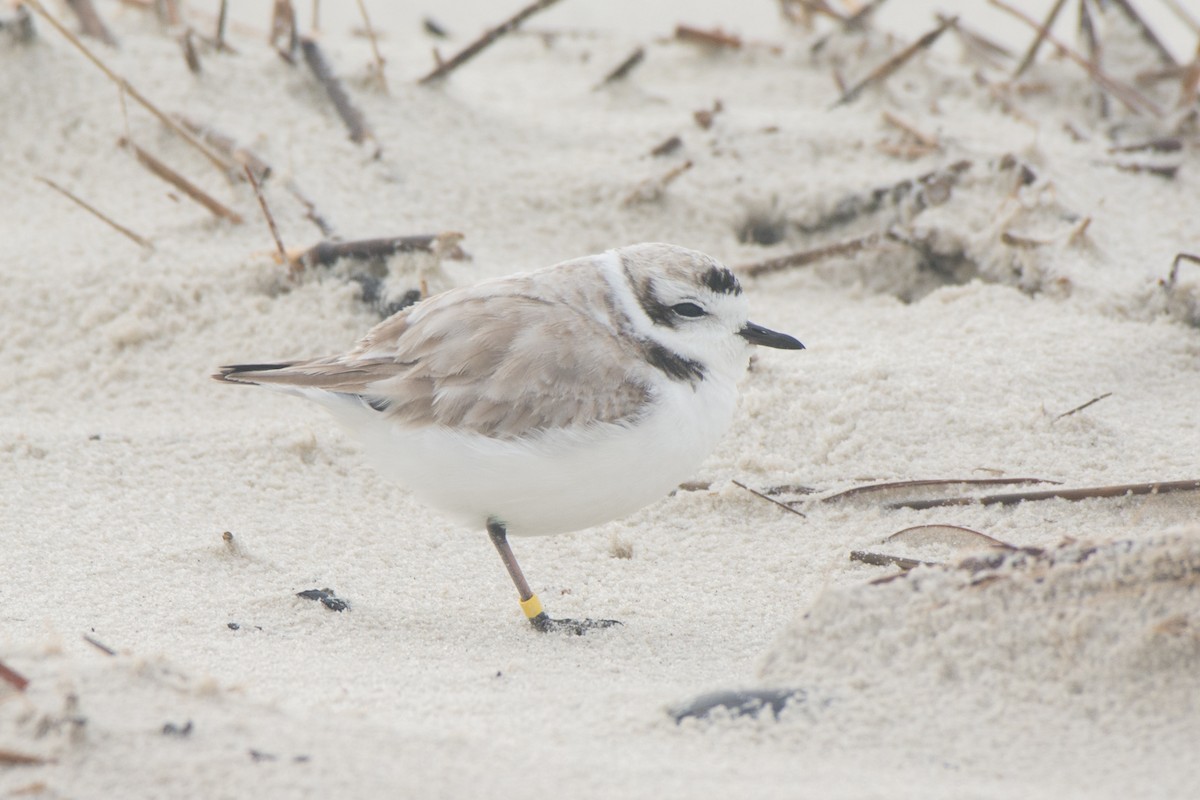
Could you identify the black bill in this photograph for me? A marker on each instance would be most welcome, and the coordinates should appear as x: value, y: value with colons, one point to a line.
x: 757, y: 334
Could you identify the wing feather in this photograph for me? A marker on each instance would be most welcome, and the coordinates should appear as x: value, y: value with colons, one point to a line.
x: 502, y: 358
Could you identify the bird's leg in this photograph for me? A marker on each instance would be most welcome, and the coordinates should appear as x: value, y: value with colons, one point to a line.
x: 530, y: 603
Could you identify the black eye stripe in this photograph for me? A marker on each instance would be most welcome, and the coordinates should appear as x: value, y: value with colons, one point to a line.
x: 688, y: 310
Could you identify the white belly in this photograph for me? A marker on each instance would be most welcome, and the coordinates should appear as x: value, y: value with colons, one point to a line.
x: 560, y: 481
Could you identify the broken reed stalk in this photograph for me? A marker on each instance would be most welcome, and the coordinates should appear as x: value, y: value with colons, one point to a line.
x: 127, y: 88
x: 1079, y: 408
x: 1131, y: 98
x: 884, y: 70
x: 119, y: 228
x: 262, y: 203
x: 362, y: 9
x: 90, y: 22
x: 1038, y: 38
x: 807, y: 257
x: 624, y: 68
x: 490, y: 36
x: 757, y: 493
x: 1074, y: 495
x: 181, y: 183
x: 351, y: 116
x: 714, y: 38
x: 12, y: 677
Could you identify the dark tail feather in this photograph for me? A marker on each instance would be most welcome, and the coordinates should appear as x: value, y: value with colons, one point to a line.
x: 240, y: 373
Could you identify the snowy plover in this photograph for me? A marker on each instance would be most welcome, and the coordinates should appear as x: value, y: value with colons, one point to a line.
x: 548, y: 401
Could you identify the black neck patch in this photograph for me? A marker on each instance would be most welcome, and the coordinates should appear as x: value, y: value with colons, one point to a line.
x: 721, y: 281
x: 673, y: 364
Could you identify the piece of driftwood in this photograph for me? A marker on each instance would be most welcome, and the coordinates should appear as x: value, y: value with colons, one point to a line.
x: 653, y: 189
x: 488, y: 38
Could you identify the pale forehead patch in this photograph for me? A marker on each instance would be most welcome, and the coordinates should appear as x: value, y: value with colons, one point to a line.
x: 644, y: 262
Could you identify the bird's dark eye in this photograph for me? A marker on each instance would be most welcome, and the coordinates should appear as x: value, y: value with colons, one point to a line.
x: 688, y: 310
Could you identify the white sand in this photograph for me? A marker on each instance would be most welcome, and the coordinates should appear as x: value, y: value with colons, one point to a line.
x: 122, y: 463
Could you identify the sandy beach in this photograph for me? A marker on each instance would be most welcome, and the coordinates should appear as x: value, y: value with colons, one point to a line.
x: 909, y: 538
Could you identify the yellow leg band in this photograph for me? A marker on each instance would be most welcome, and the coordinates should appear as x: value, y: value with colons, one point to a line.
x: 532, y: 607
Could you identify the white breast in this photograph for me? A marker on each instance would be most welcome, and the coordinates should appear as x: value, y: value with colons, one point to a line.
x: 558, y: 481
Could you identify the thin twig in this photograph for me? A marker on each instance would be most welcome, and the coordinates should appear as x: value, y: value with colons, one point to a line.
x: 490, y: 36
x: 624, y: 68
x: 101, y: 646
x: 362, y: 9
x: 1077, y: 409
x: 1132, y: 99
x: 1146, y: 31
x: 351, y: 116
x: 262, y: 203
x: 181, y: 183
x: 757, y: 493
x: 119, y: 228
x: 807, y: 257
x: 1038, y: 38
x: 128, y: 88
x: 221, y: 17
x: 1074, y: 495
x: 1174, y: 274
x: 885, y: 69
x: 90, y: 22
